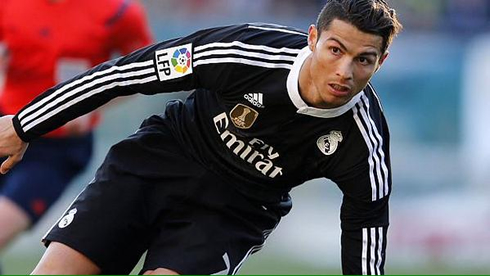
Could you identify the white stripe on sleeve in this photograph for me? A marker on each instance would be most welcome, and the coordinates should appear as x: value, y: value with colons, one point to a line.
x: 79, y: 81
x: 370, y: 157
x: 364, y: 251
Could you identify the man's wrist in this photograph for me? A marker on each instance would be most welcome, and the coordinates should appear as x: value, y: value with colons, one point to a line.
x: 18, y: 129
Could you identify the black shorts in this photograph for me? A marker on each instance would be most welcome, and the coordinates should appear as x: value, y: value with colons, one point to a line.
x: 150, y: 195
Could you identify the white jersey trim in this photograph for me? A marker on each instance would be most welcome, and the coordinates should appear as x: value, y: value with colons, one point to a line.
x: 227, y: 53
x: 40, y: 109
x: 382, y: 172
x: 364, y: 251
x: 253, y: 249
x: 27, y: 126
x: 86, y: 78
x: 380, y: 250
x: 378, y: 170
x: 85, y: 96
x: 374, y: 246
x: 242, y: 61
x: 277, y: 30
x: 246, y: 46
x: 243, y: 53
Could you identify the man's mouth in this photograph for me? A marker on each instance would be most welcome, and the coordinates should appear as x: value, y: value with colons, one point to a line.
x: 339, y: 89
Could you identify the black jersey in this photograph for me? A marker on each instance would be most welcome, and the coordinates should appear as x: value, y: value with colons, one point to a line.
x: 247, y: 121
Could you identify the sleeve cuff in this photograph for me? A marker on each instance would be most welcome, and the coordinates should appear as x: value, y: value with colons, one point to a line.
x: 22, y: 135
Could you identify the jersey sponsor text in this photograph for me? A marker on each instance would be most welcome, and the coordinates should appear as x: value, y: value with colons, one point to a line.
x: 261, y: 160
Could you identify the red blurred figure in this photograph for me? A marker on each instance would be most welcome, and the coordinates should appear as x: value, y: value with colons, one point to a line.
x: 45, y: 42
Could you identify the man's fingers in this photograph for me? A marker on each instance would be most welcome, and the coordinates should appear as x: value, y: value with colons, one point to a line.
x: 8, y: 164
x: 10, y: 144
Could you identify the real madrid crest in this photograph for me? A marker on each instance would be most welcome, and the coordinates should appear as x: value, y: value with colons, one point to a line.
x: 328, y: 143
x: 68, y: 218
x: 243, y: 116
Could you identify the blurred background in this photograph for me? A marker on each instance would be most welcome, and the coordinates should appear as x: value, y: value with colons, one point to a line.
x: 435, y: 91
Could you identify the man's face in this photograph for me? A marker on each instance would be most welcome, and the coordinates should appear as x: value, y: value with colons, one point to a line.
x: 343, y: 60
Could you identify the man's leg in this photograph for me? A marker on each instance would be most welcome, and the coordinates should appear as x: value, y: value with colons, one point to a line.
x: 63, y: 260
x: 160, y: 271
x: 38, y: 181
x: 13, y: 220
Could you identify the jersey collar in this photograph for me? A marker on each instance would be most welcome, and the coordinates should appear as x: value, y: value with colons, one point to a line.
x: 303, y: 108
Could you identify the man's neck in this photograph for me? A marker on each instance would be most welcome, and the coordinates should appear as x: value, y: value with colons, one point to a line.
x: 305, y: 86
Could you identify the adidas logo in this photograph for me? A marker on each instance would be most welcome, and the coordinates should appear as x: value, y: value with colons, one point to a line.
x: 256, y: 99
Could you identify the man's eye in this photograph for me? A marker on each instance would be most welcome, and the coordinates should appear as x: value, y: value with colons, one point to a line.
x: 364, y: 60
x: 335, y: 50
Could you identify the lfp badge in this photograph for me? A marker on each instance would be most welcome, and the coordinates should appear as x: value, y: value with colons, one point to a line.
x: 181, y: 60
x: 174, y: 62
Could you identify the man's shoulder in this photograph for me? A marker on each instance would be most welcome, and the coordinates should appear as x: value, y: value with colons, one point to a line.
x: 373, y: 96
x: 270, y: 27
x: 265, y: 29
x: 263, y: 34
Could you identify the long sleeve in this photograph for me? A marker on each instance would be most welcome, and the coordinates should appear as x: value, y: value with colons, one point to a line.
x: 183, y: 64
x: 364, y: 236
x: 363, y: 174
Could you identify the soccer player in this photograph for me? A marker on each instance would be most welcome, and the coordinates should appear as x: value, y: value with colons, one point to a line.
x: 202, y: 185
x: 47, y: 42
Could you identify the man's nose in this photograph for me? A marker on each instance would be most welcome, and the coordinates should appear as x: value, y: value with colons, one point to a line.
x: 345, y: 69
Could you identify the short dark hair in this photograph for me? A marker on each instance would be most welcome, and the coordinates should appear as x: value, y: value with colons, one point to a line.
x: 370, y: 16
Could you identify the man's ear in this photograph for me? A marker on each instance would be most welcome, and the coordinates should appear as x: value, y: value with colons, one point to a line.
x: 382, y: 59
x: 312, y: 37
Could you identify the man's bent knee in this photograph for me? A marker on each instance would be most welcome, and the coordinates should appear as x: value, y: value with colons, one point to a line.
x: 160, y: 271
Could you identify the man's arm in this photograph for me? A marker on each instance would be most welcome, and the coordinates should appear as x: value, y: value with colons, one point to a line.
x: 365, y: 213
x: 364, y: 236
x: 11, y: 145
x: 364, y: 219
x: 363, y: 173
x: 206, y: 59
x: 164, y: 67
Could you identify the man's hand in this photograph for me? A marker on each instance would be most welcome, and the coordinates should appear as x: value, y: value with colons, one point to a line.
x: 10, y: 144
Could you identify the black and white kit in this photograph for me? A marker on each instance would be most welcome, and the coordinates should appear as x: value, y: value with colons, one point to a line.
x: 247, y: 125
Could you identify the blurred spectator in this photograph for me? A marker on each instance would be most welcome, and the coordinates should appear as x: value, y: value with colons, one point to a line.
x: 468, y: 16
x: 417, y: 15
x: 420, y: 14
x: 45, y: 42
